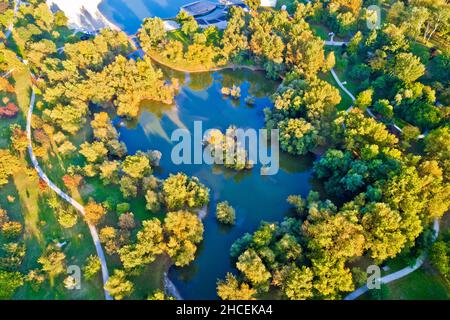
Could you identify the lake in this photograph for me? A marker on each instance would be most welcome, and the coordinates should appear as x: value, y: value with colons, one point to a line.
x: 128, y: 14
x: 255, y: 197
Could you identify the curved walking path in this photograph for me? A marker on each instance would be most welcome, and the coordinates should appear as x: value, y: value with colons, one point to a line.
x: 43, y: 176
x: 398, y: 274
x: 355, y: 294
x: 66, y: 197
x: 420, y: 260
x: 11, y: 26
x: 341, y: 85
x: 336, y: 43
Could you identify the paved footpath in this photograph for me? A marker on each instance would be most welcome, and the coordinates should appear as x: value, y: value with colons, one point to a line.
x: 420, y: 260
x: 43, y: 176
x: 355, y: 294
x: 398, y: 274
x: 11, y: 26
x: 66, y: 197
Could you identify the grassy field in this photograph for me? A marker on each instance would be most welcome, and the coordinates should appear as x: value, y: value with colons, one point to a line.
x: 341, y: 70
x: 346, y: 101
x: 423, y: 284
x: 55, y: 167
x: 25, y: 202
x: 320, y: 31
x: 79, y: 238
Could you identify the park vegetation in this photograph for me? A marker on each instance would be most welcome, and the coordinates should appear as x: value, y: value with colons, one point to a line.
x: 382, y: 189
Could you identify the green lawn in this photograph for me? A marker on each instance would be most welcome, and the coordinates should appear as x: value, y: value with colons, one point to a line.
x: 320, y: 31
x: 24, y: 202
x: 346, y: 101
x: 422, y: 284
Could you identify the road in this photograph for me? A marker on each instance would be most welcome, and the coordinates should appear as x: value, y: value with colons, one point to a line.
x: 420, y: 260
x: 43, y: 176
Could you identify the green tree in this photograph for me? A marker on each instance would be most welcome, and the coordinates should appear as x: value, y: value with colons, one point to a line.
x: 331, y: 279
x: 304, y: 50
x: 189, y: 26
x: 253, y: 268
x: 384, y: 108
x: 183, y: 231
x: 297, y: 136
x: 67, y: 218
x: 335, y: 237
x: 118, y: 286
x: 361, y: 132
x: 402, y: 193
x: 437, y: 146
x: 60, y: 19
x: 180, y: 192
x: 136, y: 166
x: 92, y: 267
x: 440, y: 257
x: 409, y: 135
x: 234, y: 41
x: 148, y: 246
x: 299, y: 283
x: 233, y: 289
x: 152, y: 33
x: 355, y: 43
x: 364, y: 99
x: 225, y: 213
x: 9, y: 283
x: 53, y: 261
x: 407, y: 67
x: 382, y: 230
x: 288, y: 248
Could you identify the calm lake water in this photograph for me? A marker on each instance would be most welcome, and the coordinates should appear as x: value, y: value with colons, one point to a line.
x: 255, y: 197
x: 128, y: 14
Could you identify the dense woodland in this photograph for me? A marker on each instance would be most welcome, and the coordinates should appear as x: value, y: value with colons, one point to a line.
x: 382, y: 189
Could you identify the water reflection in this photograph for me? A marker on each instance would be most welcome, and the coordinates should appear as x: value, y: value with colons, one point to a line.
x: 128, y: 14
x: 254, y: 197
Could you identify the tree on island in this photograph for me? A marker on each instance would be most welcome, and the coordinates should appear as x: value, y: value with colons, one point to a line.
x: 225, y: 213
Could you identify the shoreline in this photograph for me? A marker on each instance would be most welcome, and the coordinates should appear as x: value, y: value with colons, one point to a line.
x: 169, y: 287
x: 158, y: 60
